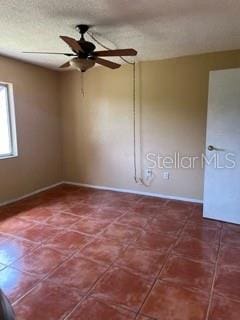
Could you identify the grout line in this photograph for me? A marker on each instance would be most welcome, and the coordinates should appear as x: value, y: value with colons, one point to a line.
x: 88, y: 294
x: 41, y: 279
x: 45, y: 276
x: 169, y: 251
x: 127, y: 244
x: 214, y: 276
x: 231, y: 298
x: 101, y: 277
x: 40, y: 245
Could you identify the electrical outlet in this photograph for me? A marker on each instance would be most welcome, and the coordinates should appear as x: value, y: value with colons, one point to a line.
x: 166, y: 175
x: 148, y: 173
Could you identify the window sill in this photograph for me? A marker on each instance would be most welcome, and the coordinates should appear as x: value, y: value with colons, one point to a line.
x: 8, y: 157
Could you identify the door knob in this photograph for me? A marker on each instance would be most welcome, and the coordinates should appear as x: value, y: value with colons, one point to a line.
x: 211, y: 148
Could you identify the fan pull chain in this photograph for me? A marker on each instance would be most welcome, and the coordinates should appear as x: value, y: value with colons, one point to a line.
x: 138, y: 180
x: 134, y: 125
x: 82, y: 84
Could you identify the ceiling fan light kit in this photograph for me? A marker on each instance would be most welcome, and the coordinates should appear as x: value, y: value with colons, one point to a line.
x: 82, y: 64
x: 84, y: 54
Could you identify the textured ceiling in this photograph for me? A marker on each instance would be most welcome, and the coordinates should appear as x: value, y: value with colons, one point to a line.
x: 156, y: 28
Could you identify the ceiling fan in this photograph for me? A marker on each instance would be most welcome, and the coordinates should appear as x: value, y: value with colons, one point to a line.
x: 84, y: 56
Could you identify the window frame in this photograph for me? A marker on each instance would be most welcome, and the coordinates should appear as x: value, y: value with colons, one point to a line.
x: 11, y: 122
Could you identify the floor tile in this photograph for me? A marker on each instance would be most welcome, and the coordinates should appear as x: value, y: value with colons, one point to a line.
x: 56, y: 206
x: 47, y: 301
x: 73, y: 235
x: 231, y: 236
x: 121, y: 206
x: 223, y: 308
x: 167, y: 301
x: 15, y: 283
x: 197, y: 218
x: 204, y: 222
x: 78, y: 272
x: 107, y: 213
x: 37, y: 214
x: 165, y: 225
x: 13, y: 225
x: 202, y: 232
x: 231, y: 226
x: 92, y: 309
x: 41, y: 261
x: 69, y: 241
x: 198, y: 208
x: 90, y: 226
x: 82, y: 209
x: 4, y: 237
x: 178, y: 205
x: 175, y: 214
x: 15, y: 208
x: 228, y: 282
x: 188, y: 273
x: 229, y: 256
x: 146, y: 262
x: 196, y: 249
x: 95, y: 201
x: 122, y: 288
x: 152, y: 201
x: 39, y: 233
x: 103, y: 250
x: 155, y: 241
x: 140, y: 317
x: 123, y: 196
x: 133, y: 220
x: 122, y: 233
x: 62, y: 220
x: 13, y: 249
x: 147, y: 211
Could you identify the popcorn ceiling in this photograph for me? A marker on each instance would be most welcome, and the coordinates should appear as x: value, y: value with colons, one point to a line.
x: 158, y: 29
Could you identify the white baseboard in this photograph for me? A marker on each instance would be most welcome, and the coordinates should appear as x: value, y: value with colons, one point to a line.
x: 30, y: 194
x: 151, y: 194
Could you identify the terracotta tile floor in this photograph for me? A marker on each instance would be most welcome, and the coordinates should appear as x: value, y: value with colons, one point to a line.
x: 74, y: 253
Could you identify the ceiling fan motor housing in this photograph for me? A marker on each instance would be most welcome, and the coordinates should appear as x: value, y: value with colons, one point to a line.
x: 88, y: 48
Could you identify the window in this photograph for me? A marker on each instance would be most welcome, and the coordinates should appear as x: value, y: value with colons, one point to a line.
x: 8, y: 141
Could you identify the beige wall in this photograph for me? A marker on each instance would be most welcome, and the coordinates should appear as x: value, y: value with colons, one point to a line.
x: 97, y: 129
x: 95, y: 132
x: 36, y: 95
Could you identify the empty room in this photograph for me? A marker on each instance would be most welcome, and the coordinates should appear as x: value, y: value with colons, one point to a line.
x: 120, y: 160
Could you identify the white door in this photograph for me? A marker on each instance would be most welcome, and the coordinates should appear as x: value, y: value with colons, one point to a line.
x: 222, y: 172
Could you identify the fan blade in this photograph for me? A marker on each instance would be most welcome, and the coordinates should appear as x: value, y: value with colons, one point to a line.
x: 65, y: 65
x: 73, y: 44
x: 65, y: 54
x: 117, y: 52
x: 107, y: 63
